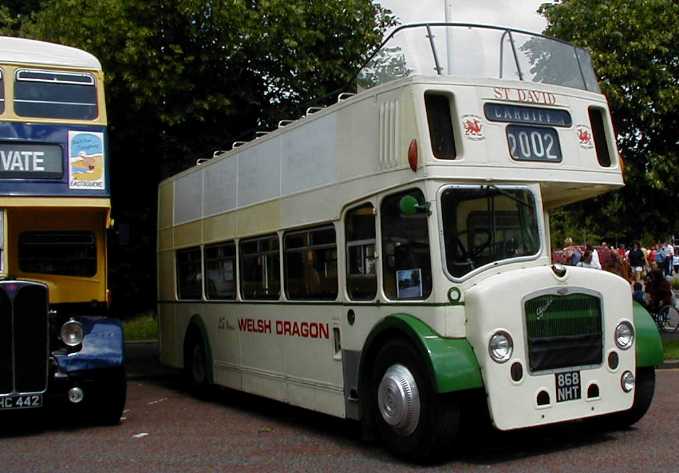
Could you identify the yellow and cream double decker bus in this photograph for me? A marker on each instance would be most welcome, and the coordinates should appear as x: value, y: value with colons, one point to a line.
x: 387, y: 258
x: 57, y: 344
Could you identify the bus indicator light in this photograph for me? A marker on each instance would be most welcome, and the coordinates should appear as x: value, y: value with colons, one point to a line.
x: 412, y: 155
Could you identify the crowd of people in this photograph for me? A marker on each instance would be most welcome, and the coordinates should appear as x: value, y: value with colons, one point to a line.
x: 648, y: 270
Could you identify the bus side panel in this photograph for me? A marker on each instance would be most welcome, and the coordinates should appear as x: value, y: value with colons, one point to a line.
x: 222, y: 321
x: 170, y: 348
x: 287, y: 354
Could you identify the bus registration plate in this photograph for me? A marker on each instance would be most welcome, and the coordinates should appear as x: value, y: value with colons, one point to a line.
x: 568, y: 386
x: 26, y: 401
x: 534, y: 143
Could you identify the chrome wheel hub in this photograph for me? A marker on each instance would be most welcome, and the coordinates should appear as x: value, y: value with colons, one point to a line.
x: 398, y: 399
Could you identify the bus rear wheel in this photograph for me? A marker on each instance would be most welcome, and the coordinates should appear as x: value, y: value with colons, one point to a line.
x: 413, y: 421
x: 195, y: 363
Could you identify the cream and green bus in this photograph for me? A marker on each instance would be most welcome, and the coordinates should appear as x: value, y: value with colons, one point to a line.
x: 387, y: 258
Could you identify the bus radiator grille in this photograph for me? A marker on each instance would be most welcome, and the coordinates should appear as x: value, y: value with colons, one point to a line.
x: 563, y: 331
x: 23, y: 337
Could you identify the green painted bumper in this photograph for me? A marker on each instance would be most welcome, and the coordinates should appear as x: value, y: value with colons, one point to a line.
x: 649, y: 348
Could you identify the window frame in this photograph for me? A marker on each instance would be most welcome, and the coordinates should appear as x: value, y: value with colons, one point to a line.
x: 91, y: 246
x: 269, y: 236
x: 361, y: 243
x: 381, y: 255
x: 539, y: 214
x: 206, y: 292
x: 92, y: 82
x: 176, y: 273
x: 303, y: 249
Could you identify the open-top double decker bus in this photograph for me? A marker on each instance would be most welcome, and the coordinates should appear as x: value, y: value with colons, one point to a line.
x: 57, y: 343
x: 387, y: 258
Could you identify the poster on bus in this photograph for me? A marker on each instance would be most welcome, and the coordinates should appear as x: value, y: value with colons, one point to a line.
x: 86, y: 160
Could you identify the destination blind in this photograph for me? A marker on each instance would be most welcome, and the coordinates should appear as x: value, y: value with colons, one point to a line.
x: 30, y: 161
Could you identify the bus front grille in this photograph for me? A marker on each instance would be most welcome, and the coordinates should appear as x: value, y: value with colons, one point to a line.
x: 563, y: 331
x: 23, y: 337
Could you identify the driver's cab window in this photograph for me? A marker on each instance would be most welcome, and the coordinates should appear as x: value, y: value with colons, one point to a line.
x: 487, y: 224
x: 406, y: 262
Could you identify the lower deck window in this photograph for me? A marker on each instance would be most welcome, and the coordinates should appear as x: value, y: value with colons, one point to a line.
x: 260, y: 268
x: 63, y: 253
x: 220, y: 271
x: 311, y: 264
x: 406, y: 264
x: 189, y: 274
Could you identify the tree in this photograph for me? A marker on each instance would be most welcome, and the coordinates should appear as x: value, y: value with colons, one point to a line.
x: 186, y: 77
x: 635, y: 50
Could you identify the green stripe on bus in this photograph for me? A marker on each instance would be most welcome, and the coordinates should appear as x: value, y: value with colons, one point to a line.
x: 649, y: 348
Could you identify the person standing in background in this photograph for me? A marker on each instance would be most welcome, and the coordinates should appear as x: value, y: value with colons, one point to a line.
x: 669, y: 257
x: 636, y: 261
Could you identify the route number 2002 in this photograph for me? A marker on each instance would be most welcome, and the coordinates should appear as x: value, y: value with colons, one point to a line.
x: 532, y: 143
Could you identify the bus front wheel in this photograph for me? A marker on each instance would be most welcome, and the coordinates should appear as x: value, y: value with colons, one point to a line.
x: 643, y: 396
x: 412, y: 420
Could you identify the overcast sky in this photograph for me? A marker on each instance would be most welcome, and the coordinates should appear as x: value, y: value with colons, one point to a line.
x: 520, y: 14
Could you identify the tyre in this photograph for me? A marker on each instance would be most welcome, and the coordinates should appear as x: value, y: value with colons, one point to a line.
x: 412, y: 420
x: 196, y: 363
x: 110, y: 402
x: 643, y: 396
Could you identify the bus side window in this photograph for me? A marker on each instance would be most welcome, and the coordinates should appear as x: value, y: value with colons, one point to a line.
x: 311, y: 264
x: 360, y: 236
x: 220, y: 271
x: 406, y: 263
x: 189, y: 274
x: 259, y: 268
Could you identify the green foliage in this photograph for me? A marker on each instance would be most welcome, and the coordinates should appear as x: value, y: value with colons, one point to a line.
x: 634, y: 46
x: 186, y: 77
x: 675, y: 284
x: 671, y: 349
x: 142, y: 327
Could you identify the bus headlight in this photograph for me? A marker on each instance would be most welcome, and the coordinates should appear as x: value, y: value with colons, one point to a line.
x: 624, y: 335
x: 72, y: 333
x: 500, y: 346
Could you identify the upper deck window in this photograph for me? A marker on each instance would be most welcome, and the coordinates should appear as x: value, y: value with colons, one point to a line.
x: 477, y: 51
x: 50, y: 94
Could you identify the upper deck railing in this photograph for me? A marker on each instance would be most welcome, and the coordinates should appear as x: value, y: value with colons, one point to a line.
x: 478, y: 51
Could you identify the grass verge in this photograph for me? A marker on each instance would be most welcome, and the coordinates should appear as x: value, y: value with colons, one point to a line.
x: 671, y: 348
x: 141, y: 327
